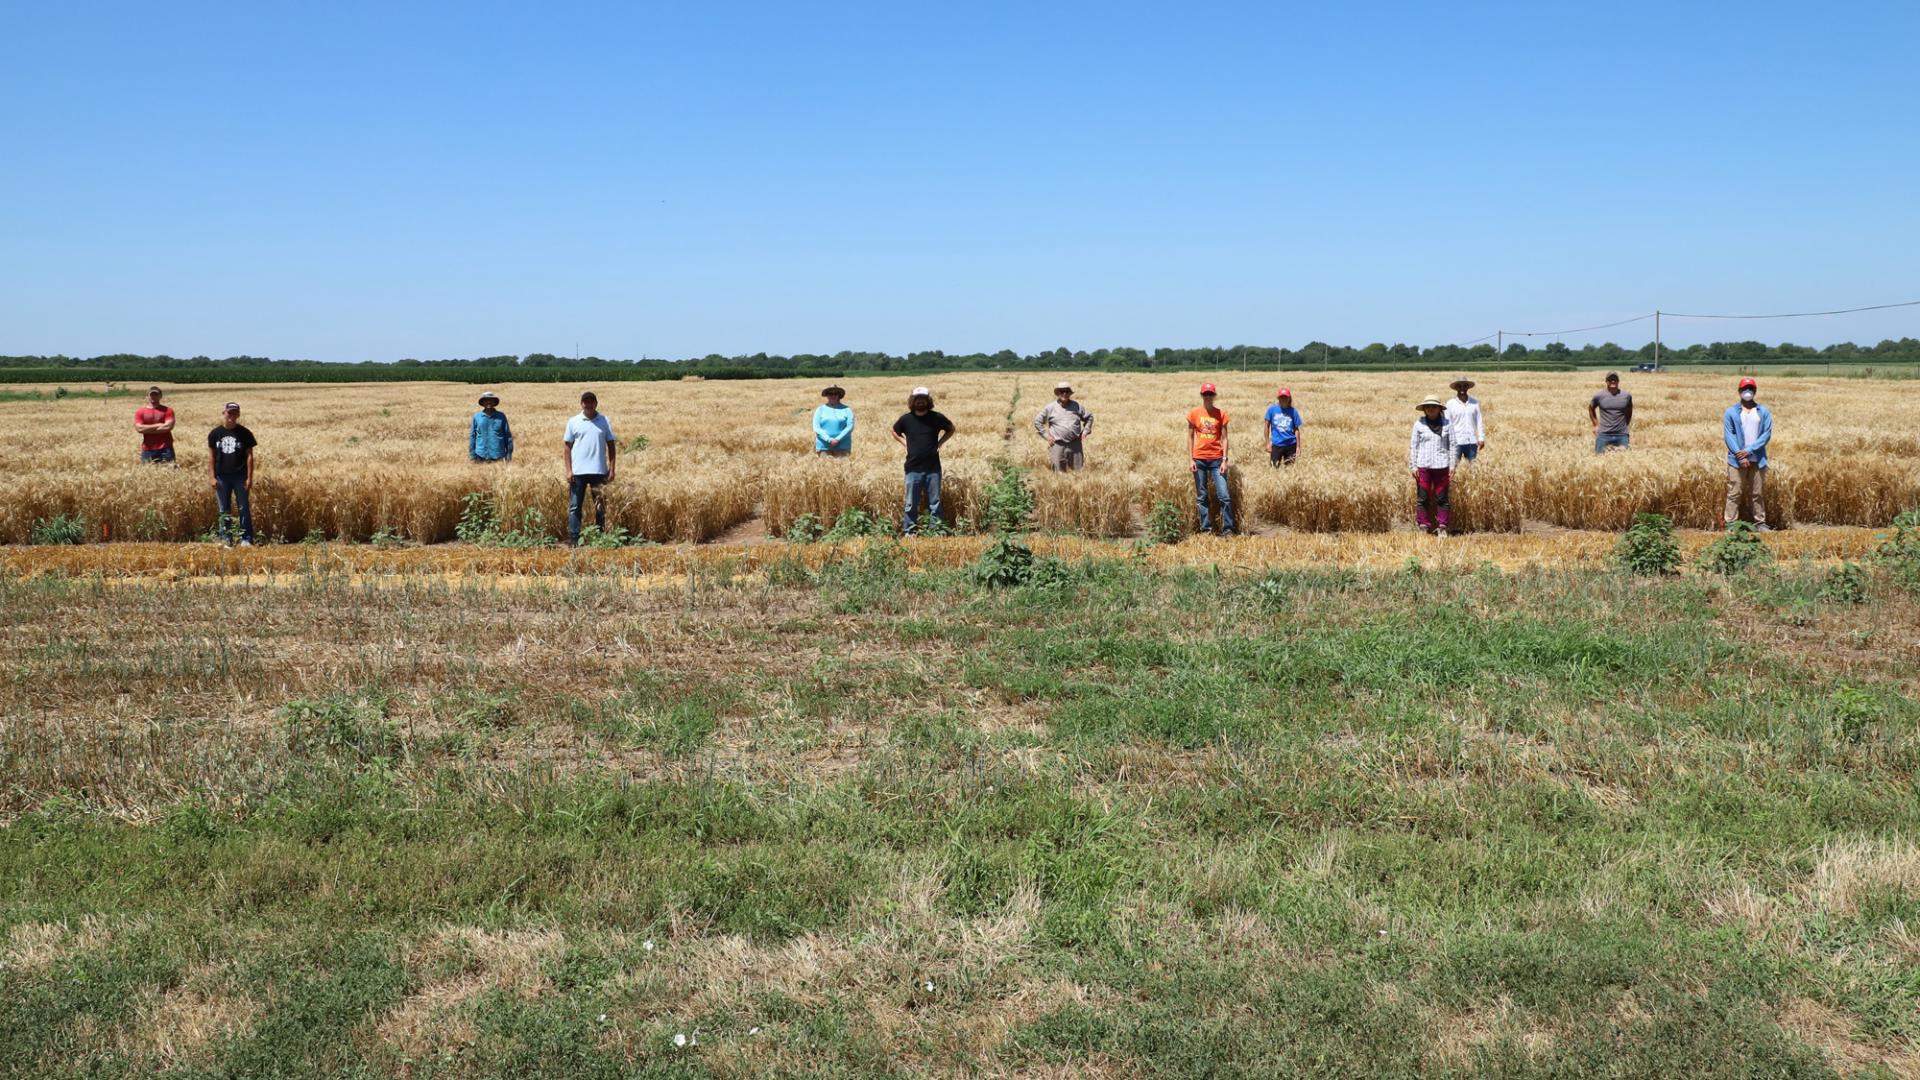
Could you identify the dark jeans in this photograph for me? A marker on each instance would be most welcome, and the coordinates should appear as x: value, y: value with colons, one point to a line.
x: 162, y: 455
x: 1282, y: 455
x: 1208, y: 471
x: 577, y: 487
x: 1603, y: 443
x: 919, y: 484
x: 232, y: 495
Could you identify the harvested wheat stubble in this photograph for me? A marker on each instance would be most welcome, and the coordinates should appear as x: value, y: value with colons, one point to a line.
x: 295, y: 563
x: 347, y: 461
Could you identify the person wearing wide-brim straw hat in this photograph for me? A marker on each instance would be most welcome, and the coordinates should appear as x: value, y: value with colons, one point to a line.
x: 1469, y: 427
x: 833, y: 424
x: 490, y: 437
x: 1064, y: 425
x: 1430, y: 459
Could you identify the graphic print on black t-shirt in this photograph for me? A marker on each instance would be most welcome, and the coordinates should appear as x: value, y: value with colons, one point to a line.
x: 229, y: 446
x: 923, y: 439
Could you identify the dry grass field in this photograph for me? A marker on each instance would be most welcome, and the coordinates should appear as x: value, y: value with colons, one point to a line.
x: 349, y: 461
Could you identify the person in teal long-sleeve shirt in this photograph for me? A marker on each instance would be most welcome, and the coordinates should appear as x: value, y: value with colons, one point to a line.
x: 833, y: 424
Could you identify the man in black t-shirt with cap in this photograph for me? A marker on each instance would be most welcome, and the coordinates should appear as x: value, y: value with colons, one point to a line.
x: 230, y: 468
x: 923, y: 432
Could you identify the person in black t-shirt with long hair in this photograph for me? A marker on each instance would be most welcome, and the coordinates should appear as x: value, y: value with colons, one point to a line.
x: 923, y: 432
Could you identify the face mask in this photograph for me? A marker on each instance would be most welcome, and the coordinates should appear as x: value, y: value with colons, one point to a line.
x: 1746, y: 395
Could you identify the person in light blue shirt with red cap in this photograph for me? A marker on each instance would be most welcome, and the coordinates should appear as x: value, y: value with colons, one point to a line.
x: 1283, y: 429
x: 1747, y: 428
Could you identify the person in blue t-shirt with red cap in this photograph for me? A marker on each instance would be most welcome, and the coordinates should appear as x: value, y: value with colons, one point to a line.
x: 1283, y: 430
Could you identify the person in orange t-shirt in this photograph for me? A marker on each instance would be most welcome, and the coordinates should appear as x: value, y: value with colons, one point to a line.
x: 1207, y: 447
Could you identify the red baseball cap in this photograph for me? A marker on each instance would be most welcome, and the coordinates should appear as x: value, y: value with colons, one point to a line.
x: 1749, y: 384
x: 1207, y: 388
x: 1286, y: 393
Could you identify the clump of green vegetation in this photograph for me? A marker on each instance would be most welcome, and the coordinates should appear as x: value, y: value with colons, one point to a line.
x: 1737, y: 550
x: 386, y: 536
x: 59, y: 529
x: 149, y: 525
x: 1163, y: 524
x: 1009, y: 499
x: 480, y: 524
x: 805, y: 529
x: 855, y: 522
x: 612, y: 536
x: 637, y: 444
x: 1899, y: 551
x: 1845, y: 584
x: 1006, y: 563
x: 1649, y: 547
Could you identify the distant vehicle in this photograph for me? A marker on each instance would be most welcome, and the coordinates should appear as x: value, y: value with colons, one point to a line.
x: 1646, y: 367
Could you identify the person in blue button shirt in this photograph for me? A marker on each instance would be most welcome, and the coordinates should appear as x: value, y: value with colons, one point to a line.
x: 1283, y: 430
x: 490, y: 437
x: 833, y: 424
x: 1747, y: 428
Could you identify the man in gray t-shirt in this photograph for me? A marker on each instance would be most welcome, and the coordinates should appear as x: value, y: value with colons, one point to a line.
x: 1611, y: 412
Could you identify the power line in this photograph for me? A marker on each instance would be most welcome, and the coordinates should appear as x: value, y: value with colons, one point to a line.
x: 1575, y: 330
x: 1797, y: 314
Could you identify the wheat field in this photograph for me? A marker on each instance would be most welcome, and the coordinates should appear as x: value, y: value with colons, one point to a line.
x: 733, y: 458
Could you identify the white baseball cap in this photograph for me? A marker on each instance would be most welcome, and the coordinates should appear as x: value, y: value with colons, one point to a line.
x: 921, y: 391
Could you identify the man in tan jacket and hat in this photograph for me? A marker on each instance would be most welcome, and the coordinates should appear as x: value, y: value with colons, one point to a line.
x: 1064, y: 424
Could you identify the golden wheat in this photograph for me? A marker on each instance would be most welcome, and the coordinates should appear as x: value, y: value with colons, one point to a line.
x: 347, y: 461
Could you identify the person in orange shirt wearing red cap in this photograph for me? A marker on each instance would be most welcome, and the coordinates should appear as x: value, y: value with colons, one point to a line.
x: 1207, y: 449
x: 1283, y: 430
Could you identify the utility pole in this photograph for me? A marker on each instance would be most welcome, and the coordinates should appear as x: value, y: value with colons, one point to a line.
x: 1324, y: 349
x: 1656, y: 339
x: 1499, y: 344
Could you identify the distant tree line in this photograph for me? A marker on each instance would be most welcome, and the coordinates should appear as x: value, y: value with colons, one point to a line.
x: 548, y: 367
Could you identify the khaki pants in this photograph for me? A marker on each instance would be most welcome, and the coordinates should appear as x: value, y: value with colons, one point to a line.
x: 1746, y: 482
x: 1064, y: 456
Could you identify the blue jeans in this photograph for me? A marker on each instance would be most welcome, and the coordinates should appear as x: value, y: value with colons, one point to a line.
x: 1205, y: 471
x: 1466, y: 450
x: 919, y: 483
x: 1602, y: 442
x: 577, y: 486
x: 228, y: 491
x: 162, y: 455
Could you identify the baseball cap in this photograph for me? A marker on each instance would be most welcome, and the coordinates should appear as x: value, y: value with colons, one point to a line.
x: 1613, y: 376
x: 1062, y: 386
x: 231, y: 406
x: 1284, y: 392
x: 921, y: 391
x: 489, y: 394
x: 1749, y: 384
x: 1207, y: 388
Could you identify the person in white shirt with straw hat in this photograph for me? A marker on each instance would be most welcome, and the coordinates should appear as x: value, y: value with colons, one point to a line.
x: 1469, y: 426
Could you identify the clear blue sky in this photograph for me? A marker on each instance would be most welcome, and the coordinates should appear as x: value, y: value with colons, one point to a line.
x: 350, y: 181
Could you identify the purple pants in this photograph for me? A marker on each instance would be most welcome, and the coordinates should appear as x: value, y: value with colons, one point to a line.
x: 1431, y: 494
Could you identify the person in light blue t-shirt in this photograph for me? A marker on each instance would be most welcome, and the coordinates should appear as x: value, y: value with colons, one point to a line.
x: 589, y: 456
x: 1283, y: 430
x: 833, y: 424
